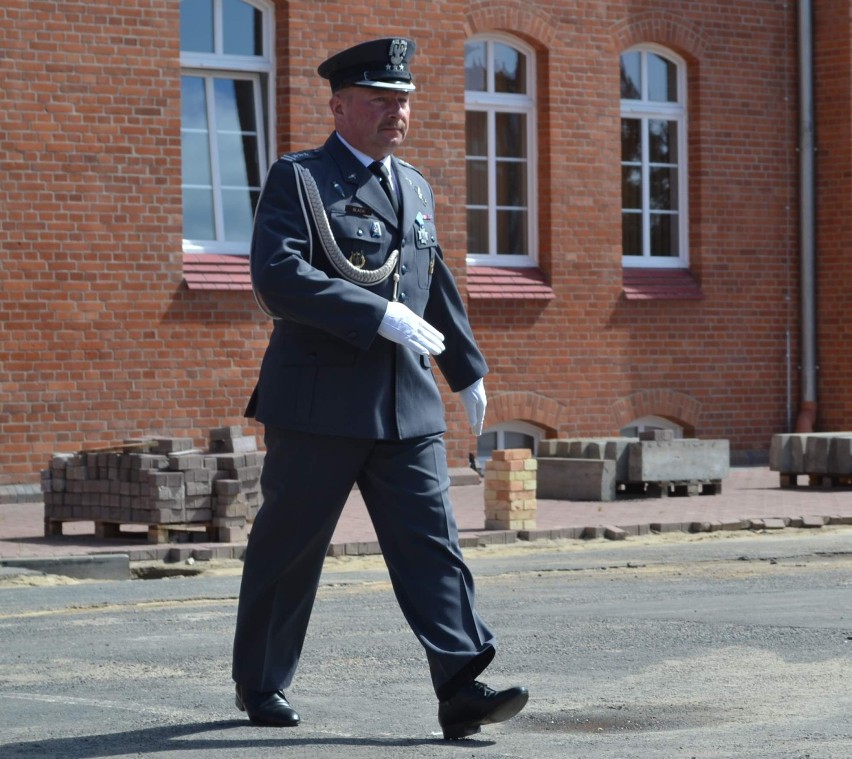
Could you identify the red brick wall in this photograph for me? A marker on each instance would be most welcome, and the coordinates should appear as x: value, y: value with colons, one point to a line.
x: 102, y: 341
x: 99, y: 339
x: 833, y: 54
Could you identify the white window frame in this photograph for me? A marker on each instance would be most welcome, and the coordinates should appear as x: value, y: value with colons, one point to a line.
x: 646, y: 110
x: 492, y: 103
x: 257, y: 69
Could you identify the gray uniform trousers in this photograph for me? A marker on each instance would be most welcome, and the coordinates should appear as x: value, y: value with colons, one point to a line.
x: 306, y: 480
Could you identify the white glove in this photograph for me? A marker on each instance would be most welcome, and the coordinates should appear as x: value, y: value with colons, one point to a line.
x: 401, y: 325
x: 475, y: 402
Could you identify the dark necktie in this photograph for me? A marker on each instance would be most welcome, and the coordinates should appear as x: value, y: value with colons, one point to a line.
x: 380, y: 170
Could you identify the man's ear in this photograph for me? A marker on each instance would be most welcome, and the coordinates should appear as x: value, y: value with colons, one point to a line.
x: 336, y: 104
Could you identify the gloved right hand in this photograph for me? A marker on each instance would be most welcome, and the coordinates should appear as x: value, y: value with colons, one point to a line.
x: 401, y: 325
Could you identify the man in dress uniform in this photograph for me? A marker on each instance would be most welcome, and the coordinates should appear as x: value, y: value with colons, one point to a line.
x: 345, y: 258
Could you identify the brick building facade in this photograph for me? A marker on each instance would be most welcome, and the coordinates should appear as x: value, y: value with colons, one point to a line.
x: 115, y: 326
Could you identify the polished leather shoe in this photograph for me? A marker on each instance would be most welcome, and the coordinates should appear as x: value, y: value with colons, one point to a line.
x: 475, y: 705
x: 264, y: 708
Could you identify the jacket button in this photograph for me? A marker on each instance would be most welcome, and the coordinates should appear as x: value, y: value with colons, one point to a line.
x: 402, y: 297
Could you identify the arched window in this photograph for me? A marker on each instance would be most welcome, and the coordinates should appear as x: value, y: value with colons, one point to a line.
x: 226, y: 71
x: 500, y: 151
x: 653, y: 158
x: 650, y: 423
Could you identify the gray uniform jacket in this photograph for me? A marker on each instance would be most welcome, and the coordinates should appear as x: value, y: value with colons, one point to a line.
x: 326, y: 369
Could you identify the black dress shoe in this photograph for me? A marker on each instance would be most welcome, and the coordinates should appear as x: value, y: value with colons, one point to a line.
x: 476, y: 704
x: 264, y: 708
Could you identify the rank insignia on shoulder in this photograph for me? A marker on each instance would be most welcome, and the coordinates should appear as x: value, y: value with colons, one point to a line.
x: 299, y: 156
x: 358, y: 210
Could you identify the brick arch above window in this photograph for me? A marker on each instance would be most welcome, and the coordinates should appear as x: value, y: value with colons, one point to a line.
x: 531, y: 24
x: 662, y: 28
x: 524, y: 406
x: 670, y: 404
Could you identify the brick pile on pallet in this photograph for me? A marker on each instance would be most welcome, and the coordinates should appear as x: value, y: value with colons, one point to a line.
x: 654, y: 464
x: 164, y: 483
x: 825, y: 458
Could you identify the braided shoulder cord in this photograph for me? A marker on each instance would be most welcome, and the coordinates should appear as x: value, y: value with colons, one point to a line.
x: 366, y: 277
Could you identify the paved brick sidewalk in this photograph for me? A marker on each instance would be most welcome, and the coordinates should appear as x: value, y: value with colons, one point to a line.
x: 747, y: 494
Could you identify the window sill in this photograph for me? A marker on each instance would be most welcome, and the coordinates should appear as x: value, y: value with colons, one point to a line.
x: 210, y: 271
x: 660, y: 284
x: 507, y: 283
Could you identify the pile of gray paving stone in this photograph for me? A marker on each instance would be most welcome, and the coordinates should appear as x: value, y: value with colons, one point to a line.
x: 825, y: 458
x: 655, y: 464
x: 164, y: 483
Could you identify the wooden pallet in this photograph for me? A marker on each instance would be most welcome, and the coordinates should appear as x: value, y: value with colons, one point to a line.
x: 199, y: 532
x: 677, y: 488
x: 824, y: 481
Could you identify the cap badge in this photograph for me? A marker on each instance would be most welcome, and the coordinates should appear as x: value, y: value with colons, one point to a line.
x: 396, y: 54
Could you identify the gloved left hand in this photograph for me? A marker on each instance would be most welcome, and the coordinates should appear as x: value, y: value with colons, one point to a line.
x: 475, y: 402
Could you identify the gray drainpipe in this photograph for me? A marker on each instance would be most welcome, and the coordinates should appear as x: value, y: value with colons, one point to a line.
x: 808, y: 404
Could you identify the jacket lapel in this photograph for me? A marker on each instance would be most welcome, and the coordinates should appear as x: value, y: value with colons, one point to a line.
x: 362, y: 182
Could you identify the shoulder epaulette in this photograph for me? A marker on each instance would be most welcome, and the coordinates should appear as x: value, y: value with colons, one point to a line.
x: 300, y: 155
x: 409, y: 166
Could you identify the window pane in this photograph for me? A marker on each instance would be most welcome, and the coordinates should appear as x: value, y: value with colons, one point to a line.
x: 475, y: 61
x: 518, y: 440
x: 512, y: 233
x: 662, y: 79
x: 664, y: 240
x: 631, y: 87
x: 477, y: 232
x: 198, y: 214
x: 631, y: 187
x: 195, y: 154
x: 238, y: 208
x: 631, y: 140
x: 511, y: 183
x: 664, y: 188
x: 477, y: 183
x: 196, y: 26
x: 238, y: 160
x: 235, y: 105
x: 511, y: 135
x: 476, y: 131
x: 242, y: 27
x: 662, y: 141
x: 510, y: 69
x: 485, y: 444
x: 631, y: 234
x: 193, y: 103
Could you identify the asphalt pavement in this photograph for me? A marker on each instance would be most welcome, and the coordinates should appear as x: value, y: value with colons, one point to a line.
x: 730, y: 645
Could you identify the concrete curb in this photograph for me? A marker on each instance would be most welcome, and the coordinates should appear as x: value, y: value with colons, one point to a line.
x: 110, y: 566
x: 96, y: 566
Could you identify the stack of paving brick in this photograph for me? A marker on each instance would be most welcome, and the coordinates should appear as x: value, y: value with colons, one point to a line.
x: 510, y: 485
x: 656, y: 464
x: 825, y: 458
x: 163, y: 483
